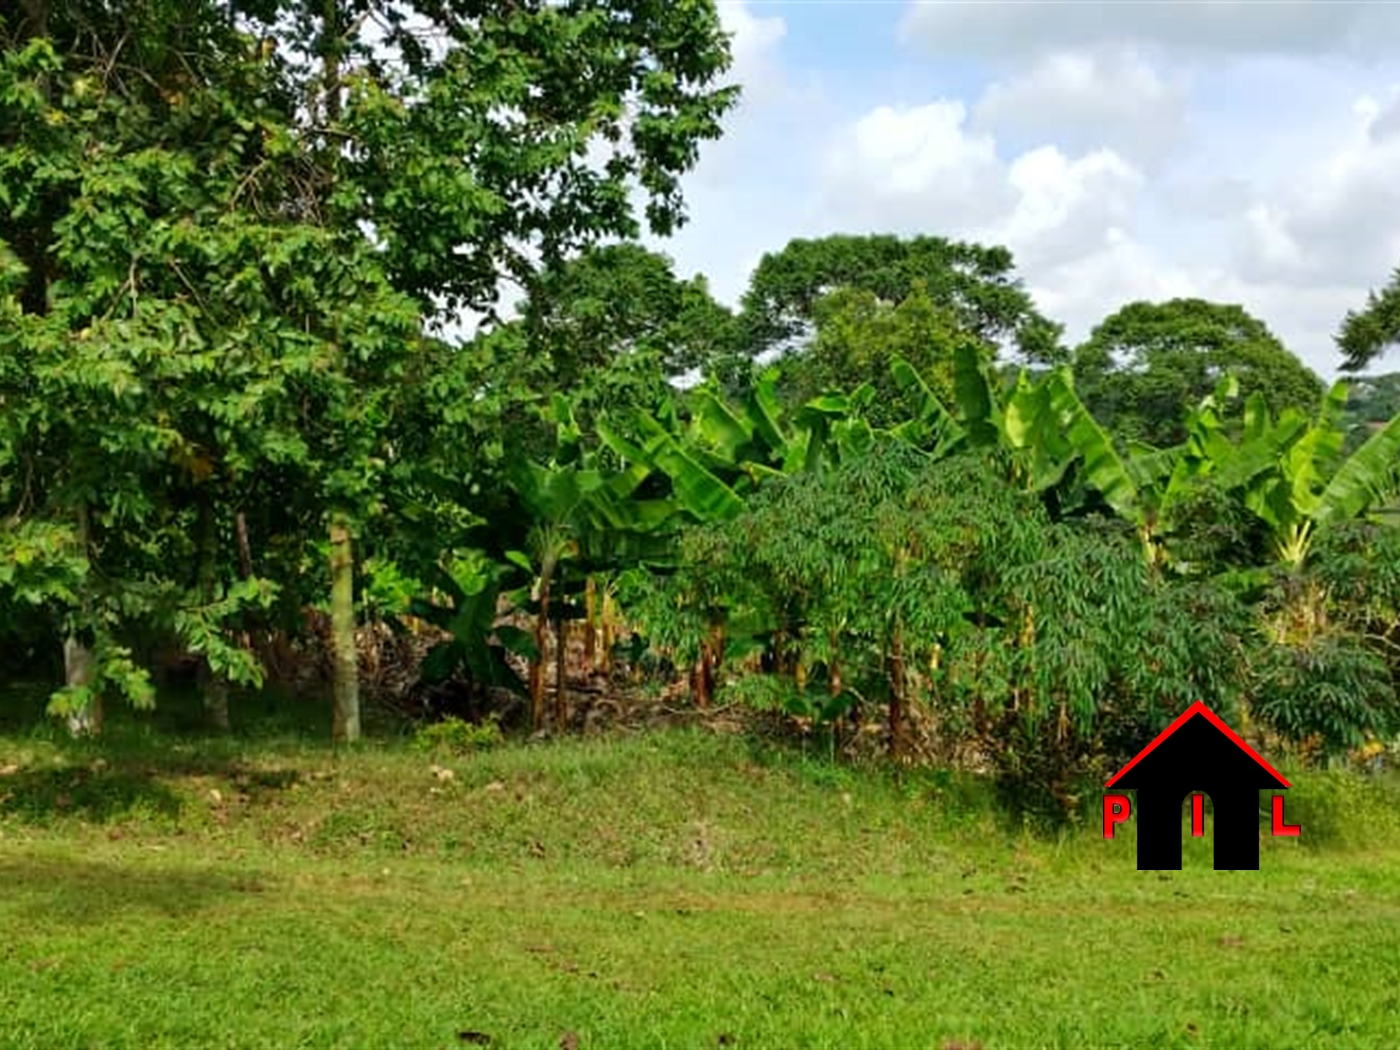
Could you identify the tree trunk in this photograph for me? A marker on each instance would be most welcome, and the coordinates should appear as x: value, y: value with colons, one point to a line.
x: 252, y: 637
x: 833, y: 680
x: 714, y: 656
x: 537, y: 664
x: 609, y: 635
x: 245, y: 549
x: 561, y: 673
x: 590, y: 633
x: 700, y: 680
x: 345, y: 688
x: 213, y: 685
x: 78, y: 668
x: 79, y: 662
x: 702, y: 675
x: 35, y: 22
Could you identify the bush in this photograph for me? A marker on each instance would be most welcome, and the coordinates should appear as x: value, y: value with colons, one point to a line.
x: 458, y: 736
x: 1342, y: 808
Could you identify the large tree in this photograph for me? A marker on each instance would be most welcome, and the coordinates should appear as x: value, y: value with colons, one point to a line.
x: 1143, y: 368
x: 302, y: 183
x: 858, y: 338
x: 620, y: 299
x: 975, y: 283
x: 1367, y: 333
x: 614, y: 327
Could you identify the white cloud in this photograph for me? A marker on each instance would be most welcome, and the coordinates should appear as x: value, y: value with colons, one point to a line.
x: 1063, y: 204
x: 1116, y: 270
x: 917, y: 164
x: 1332, y: 218
x: 1270, y: 248
x: 1111, y: 97
x: 1081, y: 229
x: 920, y: 170
x: 754, y: 42
x: 1386, y: 124
x: 1361, y: 28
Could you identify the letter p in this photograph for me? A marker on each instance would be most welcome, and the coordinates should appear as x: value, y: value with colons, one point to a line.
x: 1116, y: 809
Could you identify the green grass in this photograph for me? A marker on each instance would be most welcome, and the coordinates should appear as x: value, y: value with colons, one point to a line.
x: 673, y: 890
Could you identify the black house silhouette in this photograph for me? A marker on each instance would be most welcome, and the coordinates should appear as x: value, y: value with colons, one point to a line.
x: 1198, y: 752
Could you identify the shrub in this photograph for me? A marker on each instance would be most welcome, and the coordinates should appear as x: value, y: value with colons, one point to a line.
x: 1342, y: 808
x: 459, y: 736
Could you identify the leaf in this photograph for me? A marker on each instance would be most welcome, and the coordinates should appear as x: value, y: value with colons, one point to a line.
x: 1103, y: 469
x: 932, y: 420
x: 1367, y: 476
x: 718, y: 427
x: 518, y: 641
x: 976, y: 399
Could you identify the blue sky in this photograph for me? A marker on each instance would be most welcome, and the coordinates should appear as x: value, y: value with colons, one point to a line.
x: 1237, y: 150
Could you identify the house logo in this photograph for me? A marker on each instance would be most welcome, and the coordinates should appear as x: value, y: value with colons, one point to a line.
x: 1196, y: 755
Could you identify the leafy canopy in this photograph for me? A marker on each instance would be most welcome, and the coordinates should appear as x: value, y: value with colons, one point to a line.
x: 1145, y: 366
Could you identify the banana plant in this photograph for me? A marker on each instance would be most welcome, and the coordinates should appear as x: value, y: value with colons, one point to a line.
x: 585, y: 518
x: 722, y: 454
x: 1039, y: 424
x: 725, y: 451
x: 1291, y: 472
x: 1045, y: 428
x: 473, y: 582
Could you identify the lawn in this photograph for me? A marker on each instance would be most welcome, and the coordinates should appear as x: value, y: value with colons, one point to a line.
x: 678, y: 889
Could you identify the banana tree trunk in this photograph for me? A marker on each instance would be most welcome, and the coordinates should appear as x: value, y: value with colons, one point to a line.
x: 702, y: 680
x: 561, y: 673
x: 590, y: 630
x: 537, y: 662
x: 609, y: 635
x: 345, y: 686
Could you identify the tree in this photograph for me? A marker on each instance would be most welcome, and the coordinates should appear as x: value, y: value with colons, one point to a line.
x: 147, y: 371
x: 1144, y: 367
x: 467, y: 161
x: 1367, y: 333
x: 614, y: 328
x: 621, y: 299
x: 858, y: 336
x: 1373, y: 402
x: 973, y: 282
x: 357, y: 182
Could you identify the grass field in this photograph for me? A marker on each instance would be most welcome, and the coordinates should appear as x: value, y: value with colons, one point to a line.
x: 674, y: 890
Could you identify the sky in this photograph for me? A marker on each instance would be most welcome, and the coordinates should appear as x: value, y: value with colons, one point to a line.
x: 1243, y: 151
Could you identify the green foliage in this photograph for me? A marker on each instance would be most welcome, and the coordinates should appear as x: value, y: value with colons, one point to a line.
x: 972, y: 281
x: 1372, y: 401
x: 471, y: 584
x: 228, y: 230
x: 458, y: 737
x: 1367, y: 333
x: 1142, y: 369
x: 1341, y: 809
x: 858, y: 336
x: 222, y: 230
x: 385, y: 590
x: 1332, y: 691
x: 621, y: 301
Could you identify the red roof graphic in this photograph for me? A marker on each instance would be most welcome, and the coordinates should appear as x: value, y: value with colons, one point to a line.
x: 1199, y: 708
